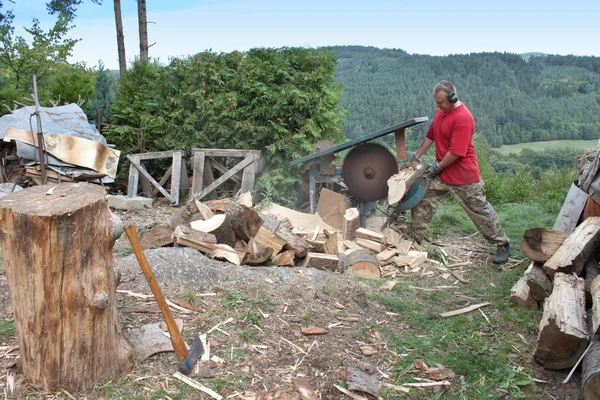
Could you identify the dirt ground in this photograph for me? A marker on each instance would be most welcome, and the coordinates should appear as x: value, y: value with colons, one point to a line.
x: 258, y: 349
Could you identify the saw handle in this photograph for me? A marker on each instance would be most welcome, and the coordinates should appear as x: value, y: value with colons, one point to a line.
x: 176, y: 339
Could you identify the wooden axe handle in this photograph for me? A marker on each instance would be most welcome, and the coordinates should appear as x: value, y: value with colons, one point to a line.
x: 178, y: 343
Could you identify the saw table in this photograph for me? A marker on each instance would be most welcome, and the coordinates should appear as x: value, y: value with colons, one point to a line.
x: 366, y: 167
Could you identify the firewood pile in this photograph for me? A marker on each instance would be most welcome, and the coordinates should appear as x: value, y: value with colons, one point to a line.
x: 233, y: 230
x: 563, y: 282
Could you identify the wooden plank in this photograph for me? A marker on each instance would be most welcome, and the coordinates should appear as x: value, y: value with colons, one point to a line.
x: 156, y: 154
x: 176, y: 177
x: 248, y: 177
x: 227, y: 152
x: 370, y: 245
x: 370, y: 235
x: 163, y: 180
x: 197, y: 173
x: 145, y: 173
x: 246, y: 161
x: 134, y: 180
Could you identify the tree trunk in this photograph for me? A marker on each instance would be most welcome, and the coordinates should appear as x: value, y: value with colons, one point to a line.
x: 563, y: 334
x: 57, y: 250
x: 120, y: 39
x: 143, y: 30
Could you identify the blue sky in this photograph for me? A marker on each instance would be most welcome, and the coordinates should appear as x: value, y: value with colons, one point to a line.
x: 183, y: 27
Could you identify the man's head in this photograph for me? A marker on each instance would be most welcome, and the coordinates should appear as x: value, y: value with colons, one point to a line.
x: 444, y: 94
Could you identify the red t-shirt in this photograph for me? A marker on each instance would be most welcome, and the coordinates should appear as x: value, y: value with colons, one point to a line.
x: 453, y: 132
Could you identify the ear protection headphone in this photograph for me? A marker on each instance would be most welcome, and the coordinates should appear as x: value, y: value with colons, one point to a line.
x: 451, y: 94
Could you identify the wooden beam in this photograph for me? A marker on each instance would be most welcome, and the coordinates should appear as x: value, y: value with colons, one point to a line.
x: 223, y: 169
x: 134, y: 179
x: 239, y: 166
x: 156, y: 154
x: 226, y: 152
x: 176, y: 177
x: 197, y: 173
x: 145, y: 173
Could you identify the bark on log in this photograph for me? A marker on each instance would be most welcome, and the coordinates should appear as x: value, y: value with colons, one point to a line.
x: 244, y: 220
x: 576, y: 249
x: 590, y: 367
x: 595, y: 294
x: 591, y: 272
x: 361, y: 263
x: 539, y: 282
x: 539, y: 244
x: 563, y: 332
x: 57, y: 249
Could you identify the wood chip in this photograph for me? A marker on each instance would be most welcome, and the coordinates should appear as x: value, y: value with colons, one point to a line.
x: 388, y: 285
x: 190, y: 382
x: 349, y: 319
x: 314, y: 331
x: 368, y: 350
x: 464, y: 310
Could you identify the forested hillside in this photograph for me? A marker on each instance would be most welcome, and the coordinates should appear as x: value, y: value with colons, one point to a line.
x: 513, y: 100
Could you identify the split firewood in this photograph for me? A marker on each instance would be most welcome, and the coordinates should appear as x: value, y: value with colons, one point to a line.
x: 352, y: 245
x: 404, y: 247
x: 592, y: 270
x: 385, y: 255
x: 590, y: 366
x: 244, y: 198
x: 218, y: 205
x: 372, y: 245
x: 226, y: 253
x: 370, y: 235
x: 327, y: 246
x: 256, y: 253
x: 186, y: 214
x: 205, y: 242
x: 539, y: 244
x: 327, y: 262
x: 208, y: 225
x: 203, y: 210
x: 576, y: 248
x: 391, y: 237
x: 563, y: 333
x: 361, y: 263
x: 521, y: 294
x: 351, y: 224
x: 285, y: 259
x: 400, y: 183
x: 269, y: 239
x: 539, y: 282
x: 157, y: 236
x: 412, y: 259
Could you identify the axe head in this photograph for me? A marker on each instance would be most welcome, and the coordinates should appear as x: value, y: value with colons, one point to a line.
x: 196, y: 351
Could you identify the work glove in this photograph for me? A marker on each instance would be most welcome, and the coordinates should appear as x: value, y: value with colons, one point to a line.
x: 433, y: 171
x: 412, y: 161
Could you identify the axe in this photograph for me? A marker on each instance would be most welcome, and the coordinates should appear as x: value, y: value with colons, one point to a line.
x: 187, y: 360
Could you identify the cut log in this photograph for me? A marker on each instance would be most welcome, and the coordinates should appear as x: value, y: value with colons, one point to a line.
x: 270, y: 239
x: 563, y: 331
x: 595, y: 293
x: 375, y: 247
x: 370, y: 235
x: 590, y: 367
x: 400, y: 183
x: 539, y: 282
x: 521, y: 294
x: 188, y: 237
x: 539, y: 244
x: 158, y: 236
x: 351, y: 224
x: 327, y: 262
x: 244, y: 221
x: 285, y: 259
x: 57, y: 249
x: 361, y: 263
x: 331, y: 243
x: 256, y: 253
x: 576, y: 249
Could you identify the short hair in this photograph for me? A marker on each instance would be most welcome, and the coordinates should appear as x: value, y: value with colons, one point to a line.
x: 448, y: 84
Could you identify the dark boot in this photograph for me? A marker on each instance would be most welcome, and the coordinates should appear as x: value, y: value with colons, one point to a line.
x: 502, y: 254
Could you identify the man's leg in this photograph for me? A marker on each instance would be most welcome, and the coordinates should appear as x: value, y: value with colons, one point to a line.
x: 472, y: 199
x: 423, y: 212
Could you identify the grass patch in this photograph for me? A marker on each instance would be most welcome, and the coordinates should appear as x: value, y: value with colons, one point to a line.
x: 7, y: 329
x: 551, y: 144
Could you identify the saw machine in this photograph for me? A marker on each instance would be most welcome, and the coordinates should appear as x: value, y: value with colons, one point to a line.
x: 365, y: 170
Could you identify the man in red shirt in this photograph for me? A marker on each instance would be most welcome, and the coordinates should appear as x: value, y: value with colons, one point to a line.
x: 456, y: 171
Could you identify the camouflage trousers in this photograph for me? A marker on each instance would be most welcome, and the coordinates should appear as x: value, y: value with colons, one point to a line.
x: 472, y: 199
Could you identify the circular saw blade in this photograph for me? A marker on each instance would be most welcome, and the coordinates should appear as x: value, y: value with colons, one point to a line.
x: 366, y: 171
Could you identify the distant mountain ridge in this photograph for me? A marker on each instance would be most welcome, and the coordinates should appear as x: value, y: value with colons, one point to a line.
x: 514, y: 98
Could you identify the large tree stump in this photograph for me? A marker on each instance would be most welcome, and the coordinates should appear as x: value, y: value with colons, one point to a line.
x: 57, y: 246
x: 563, y: 334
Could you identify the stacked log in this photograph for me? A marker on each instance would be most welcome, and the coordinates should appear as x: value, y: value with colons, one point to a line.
x: 562, y: 280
